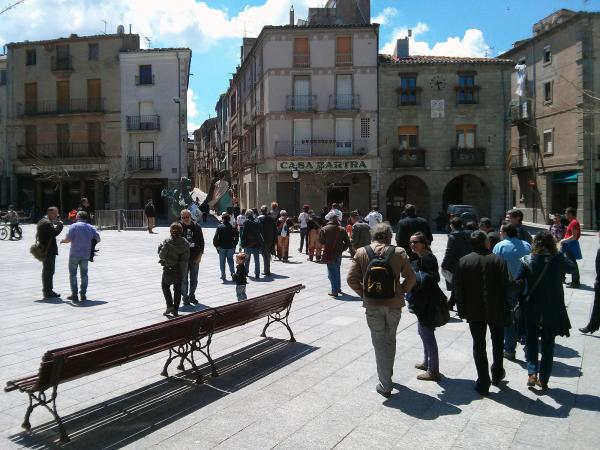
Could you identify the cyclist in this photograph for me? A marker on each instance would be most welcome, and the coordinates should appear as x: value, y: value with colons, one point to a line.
x: 13, y: 219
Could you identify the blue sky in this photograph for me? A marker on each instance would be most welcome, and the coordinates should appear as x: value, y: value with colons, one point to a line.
x: 213, y: 28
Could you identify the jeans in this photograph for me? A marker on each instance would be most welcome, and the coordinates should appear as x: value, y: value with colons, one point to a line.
x: 333, y: 272
x: 82, y: 263
x: 569, y: 254
x: 478, y: 330
x: 266, y: 254
x: 383, y: 323
x: 303, y: 236
x: 255, y: 252
x: 192, y: 273
x: 166, y: 283
x: 534, y: 333
x: 240, y: 291
x: 430, y: 348
x: 48, y: 267
x: 226, y: 254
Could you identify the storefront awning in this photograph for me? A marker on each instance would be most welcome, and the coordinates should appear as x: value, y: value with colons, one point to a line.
x: 565, y: 177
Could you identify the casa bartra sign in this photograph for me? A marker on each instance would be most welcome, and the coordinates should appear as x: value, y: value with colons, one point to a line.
x: 319, y: 165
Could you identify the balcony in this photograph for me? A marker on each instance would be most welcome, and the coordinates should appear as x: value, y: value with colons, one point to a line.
x: 50, y: 152
x: 343, y: 59
x: 143, y: 123
x: 301, y: 103
x: 143, y: 163
x: 408, y: 96
x: 467, y: 157
x: 142, y: 80
x: 246, y: 120
x: 258, y: 111
x: 251, y: 157
x: 522, y: 160
x: 467, y: 95
x: 65, y: 106
x: 344, y: 102
x: 61, y: 63
x: 409, y: 158
x: 520, y: 111
x: 321, y: 147
x: 301, y: 60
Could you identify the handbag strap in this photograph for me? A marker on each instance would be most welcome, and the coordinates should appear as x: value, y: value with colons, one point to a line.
x: 539, y: 279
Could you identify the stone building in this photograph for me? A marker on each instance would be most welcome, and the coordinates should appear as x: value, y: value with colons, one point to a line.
x: 63, y: 127
x: 443, y: 133
x: 555, y: 136
x: 4, y: 157
x: 302, y: 112
x: 208, y: 158
x: 154, y: 147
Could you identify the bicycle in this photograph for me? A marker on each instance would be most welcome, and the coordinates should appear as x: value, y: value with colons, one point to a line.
x: 5, y: 231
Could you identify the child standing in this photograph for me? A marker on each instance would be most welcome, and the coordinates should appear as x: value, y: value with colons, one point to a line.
x: 240, y: 277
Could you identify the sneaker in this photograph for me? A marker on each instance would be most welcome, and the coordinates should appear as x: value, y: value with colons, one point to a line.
x: 421, y: 366
x: 83, y: 297
x: 542, y: 385
x: 428, y: 376
x: 193, y: 299
x: 532, y: 380
x: 73, y: 297
x: 186, y: 303
x: 383, y: 392
x: 587, y: 329
x: 331, y: 294
x: 498, y: 378
x: 53, y: 294
x: 510, y: 355
x: 169, y: 311
x: 175, y: 313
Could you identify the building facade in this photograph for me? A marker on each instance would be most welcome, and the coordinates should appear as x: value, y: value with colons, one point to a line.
x: 63, y: 132
x: 153, y: 134
x: 443, y: 132
x: 4, y: 156
x: 302, y: 112
x: 555, y: 136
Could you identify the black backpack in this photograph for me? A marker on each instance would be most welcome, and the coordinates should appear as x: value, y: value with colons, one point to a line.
x: 379, y: 281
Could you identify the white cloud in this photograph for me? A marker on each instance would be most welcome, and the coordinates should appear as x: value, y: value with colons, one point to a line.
x: 471, y: 44
x: 384, y: 16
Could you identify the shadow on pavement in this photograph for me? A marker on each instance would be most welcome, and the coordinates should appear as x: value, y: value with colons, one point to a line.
x: 559, y: 368
x: 86, y: 303
x: 560, y: 351
x: 129, y: 417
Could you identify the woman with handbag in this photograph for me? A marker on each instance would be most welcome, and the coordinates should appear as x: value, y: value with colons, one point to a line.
x: 543, y: 305
x: 428, y: 302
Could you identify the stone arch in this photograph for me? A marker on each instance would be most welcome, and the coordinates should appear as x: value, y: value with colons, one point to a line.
x: 407, y: 189
x: 468, y: 190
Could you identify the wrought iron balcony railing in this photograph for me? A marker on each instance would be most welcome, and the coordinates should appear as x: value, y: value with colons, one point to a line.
x: 61, y: 151
x: 321, y: 147
x: 410, y: 157
x: 344, y: 102
x: 301, y: 103
x: 470, y: 157
x: 142, y: 123
x: 143, y: 163
x: 61, y: 106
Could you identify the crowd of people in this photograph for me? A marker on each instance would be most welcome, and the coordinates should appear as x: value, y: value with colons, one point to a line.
x: 501, y: 279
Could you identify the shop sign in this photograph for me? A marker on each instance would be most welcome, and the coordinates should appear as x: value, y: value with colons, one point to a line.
x: 317, y: 165
x: 68, y: 167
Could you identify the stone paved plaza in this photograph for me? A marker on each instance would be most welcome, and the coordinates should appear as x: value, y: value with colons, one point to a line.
x: 316, y: 393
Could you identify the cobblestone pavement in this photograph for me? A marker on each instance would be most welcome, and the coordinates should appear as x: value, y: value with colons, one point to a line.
x: 316, y: 393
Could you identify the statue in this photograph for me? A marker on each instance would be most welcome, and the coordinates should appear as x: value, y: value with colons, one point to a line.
x: 179, y: 199
x: 221, y: 199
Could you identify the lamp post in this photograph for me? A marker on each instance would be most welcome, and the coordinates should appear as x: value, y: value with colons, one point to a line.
x: 295, y: 176
x: 178, y: 101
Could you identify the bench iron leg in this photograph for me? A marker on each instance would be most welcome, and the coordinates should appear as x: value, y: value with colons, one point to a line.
x: 26, y: 424
x: 170, y: 358
x: 41, y: 400
x: 277, y: 317
x: 205, y: 350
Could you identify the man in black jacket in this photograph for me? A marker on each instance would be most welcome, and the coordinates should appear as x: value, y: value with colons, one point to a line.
x: 150, y: 212
x: 192, y: 232
x: 458, y: 245
x: 47, y: 230
x: 268, y: 228
x: 410, y: 225
x: 594, y: 323
x: 481, y: 289
x: 252, y: 242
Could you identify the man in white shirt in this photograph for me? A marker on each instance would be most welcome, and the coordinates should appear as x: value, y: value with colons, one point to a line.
x: 335, y: 208
x: 374, y: 217
x: 303, y: 218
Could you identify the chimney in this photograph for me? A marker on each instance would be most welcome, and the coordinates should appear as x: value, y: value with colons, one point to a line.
x: 401, y: 48
x: 292, y: 16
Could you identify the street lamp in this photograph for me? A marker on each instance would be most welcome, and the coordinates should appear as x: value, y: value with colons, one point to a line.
x: 178, y: 101
x: 295, y: 176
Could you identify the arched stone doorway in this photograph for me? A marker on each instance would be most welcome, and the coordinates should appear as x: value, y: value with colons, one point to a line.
x: 468, y: 190
x: 407, y: 189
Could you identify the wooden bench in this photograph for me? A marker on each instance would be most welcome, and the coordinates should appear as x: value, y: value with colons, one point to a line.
x: 181, y: 337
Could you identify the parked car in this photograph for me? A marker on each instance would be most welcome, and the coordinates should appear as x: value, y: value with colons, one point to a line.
x: 466, y: 212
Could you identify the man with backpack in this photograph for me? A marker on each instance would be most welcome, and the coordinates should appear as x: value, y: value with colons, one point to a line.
x: 375, y: 276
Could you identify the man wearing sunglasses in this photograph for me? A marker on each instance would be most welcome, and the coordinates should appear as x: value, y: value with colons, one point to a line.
x: 192, y: 232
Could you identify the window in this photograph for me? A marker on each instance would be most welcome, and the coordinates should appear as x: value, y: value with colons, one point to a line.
x: 465, y: 136
x: 548, y: 92
x: 301, y: 52
x: 31, y: 98
x: 233, y: 105
x: 302, y: 137
x: 31, y: 139
x: 62, y: 60
x: 344, y: 98
x: 408, y: 90
x: 365, y: 128
x: 343, y: 137
x: 2, y: 77
x: 407, y: 137
x: 302, y: 98
x: 30, y: 57
x: 549, y: 142
x: 145, y: 75
x: 94, y: 93
x: 95, y: 139
x: 63, y: 136
x: 343, y: 52
x: 63, y: 96
x: 547, y: 55
x: 93, y: 51
x: 466, y: 89
x: 146, y: 150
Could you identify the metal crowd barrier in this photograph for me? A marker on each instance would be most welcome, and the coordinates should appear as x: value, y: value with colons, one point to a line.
x: 120, y: 219
x: 106, y: 219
